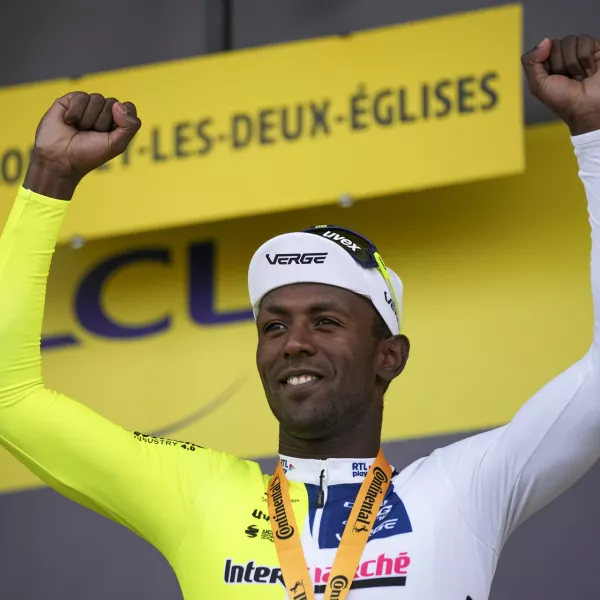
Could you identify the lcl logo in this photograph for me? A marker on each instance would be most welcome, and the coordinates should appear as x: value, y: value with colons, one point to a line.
x: 93, y: 318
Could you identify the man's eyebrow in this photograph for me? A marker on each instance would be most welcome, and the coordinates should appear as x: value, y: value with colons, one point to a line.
x: 316, y: 308
x: 275, y: 309
x: 322, y: 307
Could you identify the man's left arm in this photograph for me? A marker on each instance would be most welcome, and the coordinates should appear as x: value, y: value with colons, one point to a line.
x: 500, y: 478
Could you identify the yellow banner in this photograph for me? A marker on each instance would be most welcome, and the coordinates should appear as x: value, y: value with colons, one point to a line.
x: 154, y: 330
x: 298, y: 125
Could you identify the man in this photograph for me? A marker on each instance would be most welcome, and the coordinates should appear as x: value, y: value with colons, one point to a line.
x: 329, y: 343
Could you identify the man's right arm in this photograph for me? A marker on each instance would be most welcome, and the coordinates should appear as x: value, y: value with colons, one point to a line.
x: 149, y: 487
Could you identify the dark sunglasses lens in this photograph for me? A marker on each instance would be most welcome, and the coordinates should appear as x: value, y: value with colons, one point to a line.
x: 358, y: 247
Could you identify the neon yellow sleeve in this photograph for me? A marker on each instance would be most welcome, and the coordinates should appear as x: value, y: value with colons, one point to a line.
x: 149, y: 485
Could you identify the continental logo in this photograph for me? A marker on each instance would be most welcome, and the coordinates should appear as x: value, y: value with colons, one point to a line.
x: 283, y: 530
x: 366, y: 510
x: 337, y: 585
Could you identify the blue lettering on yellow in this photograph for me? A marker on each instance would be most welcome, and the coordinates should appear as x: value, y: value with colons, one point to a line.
x: 88, y: 299
x: 92, y: 317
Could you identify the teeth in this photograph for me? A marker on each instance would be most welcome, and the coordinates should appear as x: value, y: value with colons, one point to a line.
x: 300, y: 380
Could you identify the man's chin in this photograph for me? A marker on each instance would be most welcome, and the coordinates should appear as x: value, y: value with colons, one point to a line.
x: 308, y: 430
x: 308, y: 421
x: 306, y: 411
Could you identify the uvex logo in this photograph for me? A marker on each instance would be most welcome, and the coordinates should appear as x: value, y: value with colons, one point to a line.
x: 298, y: 259
x: 390, y: 301
x: 342, y: 240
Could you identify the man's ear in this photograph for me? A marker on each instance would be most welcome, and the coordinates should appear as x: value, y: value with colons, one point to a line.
x: 393, y: 354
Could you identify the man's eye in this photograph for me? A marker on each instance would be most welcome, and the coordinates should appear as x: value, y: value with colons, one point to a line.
x: 327, y: 321
x: 272, y: 327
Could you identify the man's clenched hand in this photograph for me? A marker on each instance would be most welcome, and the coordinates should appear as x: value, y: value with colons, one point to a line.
x: 79, y: 133
x: 565, y: 75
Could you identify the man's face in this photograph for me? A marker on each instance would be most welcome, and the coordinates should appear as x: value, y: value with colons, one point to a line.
x: 317, y: 357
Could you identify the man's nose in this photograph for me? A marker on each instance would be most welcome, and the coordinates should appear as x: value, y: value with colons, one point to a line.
x: 299, y: 340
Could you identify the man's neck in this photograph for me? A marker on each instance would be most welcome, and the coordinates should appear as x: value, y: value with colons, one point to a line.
x: 363, y: 445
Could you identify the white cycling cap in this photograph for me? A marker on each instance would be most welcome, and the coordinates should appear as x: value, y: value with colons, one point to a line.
x: 302, y: 257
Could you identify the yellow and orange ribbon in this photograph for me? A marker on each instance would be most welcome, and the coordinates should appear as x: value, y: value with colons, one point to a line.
x: 286, y: 534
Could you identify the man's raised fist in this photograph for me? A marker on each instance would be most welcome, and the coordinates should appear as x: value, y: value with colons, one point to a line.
x: 81, y: 132
x: 565, y: 75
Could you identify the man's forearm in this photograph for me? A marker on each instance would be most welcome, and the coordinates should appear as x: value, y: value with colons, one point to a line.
x: 587, y: 149
x: 26, y: 248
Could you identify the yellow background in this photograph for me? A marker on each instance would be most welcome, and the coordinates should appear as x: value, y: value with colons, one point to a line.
x: 309, y: 172
x: 497, y: 301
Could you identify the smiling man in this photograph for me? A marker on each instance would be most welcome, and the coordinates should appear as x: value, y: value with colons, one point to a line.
x: 328, y: 349
x: 335, y: 519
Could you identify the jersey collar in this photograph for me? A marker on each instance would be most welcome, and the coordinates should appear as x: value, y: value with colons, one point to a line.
x: 336, y: 470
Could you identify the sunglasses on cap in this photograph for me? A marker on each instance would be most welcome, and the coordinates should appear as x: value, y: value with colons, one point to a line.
x: 362, y: 250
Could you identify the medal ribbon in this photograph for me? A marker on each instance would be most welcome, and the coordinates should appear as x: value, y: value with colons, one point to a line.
x: 286, y: 534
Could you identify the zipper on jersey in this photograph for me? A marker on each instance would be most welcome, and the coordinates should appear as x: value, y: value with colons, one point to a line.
x: 320, y: 503
x: 321, y: 491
